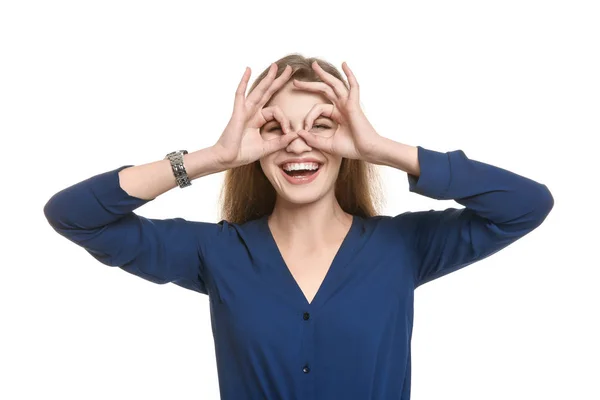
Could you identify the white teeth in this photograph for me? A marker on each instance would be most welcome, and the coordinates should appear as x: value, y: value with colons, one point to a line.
x: 298, y: 166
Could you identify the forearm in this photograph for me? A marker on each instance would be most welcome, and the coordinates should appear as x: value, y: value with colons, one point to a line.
x: 398, y: 155
x: 148, y: 181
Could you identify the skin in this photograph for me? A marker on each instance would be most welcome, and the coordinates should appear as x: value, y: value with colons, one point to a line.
x: 309, y: 214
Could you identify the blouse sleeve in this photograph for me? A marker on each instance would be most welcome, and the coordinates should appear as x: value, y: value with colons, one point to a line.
x: 97, y: 214
x: 499, y: 208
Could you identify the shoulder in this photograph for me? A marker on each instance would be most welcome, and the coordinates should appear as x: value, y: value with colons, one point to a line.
x: 202, y: 234
x: 392, y: 227
x: 225, y: 230
x: 410, y: 224
x: 403, y: 222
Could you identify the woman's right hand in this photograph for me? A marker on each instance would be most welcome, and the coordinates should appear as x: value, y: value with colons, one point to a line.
x: 241, y: 142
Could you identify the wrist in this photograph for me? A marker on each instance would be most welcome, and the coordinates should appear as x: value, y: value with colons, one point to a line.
x: 377, y: 151
x: 395, y: 154
x: 221, y: 158
x: 203, y: 162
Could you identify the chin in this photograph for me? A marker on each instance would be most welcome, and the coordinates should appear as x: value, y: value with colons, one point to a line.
x: 300, y: 198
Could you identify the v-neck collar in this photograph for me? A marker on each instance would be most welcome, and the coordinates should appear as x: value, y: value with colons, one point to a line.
x: 333, y: 277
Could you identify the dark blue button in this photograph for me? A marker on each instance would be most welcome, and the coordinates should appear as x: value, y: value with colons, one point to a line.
x: 306, y: 316
x: 306, y: 370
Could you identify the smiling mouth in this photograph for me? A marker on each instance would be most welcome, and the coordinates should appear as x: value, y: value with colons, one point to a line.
x: 299, y: 173
x: 292, y: 170
x: 301, y: 176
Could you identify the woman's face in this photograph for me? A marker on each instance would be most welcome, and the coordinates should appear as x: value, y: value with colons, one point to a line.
x: 305, y: 185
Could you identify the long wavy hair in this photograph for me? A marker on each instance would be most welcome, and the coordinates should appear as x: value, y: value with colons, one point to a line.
x: 247, y: 194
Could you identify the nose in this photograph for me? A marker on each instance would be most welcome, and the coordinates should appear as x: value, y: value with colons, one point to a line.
x: 298, y: 145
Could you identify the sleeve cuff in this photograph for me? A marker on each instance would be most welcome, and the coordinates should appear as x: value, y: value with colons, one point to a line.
x: 435, y: 176
x: 107, y: 189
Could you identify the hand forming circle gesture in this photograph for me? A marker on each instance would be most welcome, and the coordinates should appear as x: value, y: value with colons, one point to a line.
x: 241, y: 142
x: 354, y: 137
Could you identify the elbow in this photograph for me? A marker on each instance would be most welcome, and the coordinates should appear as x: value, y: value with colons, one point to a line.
x: 50, y: 211
x: 547, y: 202
x: 55, y: 211
x: 543, y: 204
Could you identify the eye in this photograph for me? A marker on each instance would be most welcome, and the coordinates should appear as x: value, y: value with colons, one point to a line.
x: 278, y: 128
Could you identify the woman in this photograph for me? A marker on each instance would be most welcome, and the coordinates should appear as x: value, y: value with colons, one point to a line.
x: 311, y: 293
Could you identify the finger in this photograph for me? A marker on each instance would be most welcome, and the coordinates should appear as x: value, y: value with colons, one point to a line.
x: 275, y: 113
x: 240, y: 93
x: 354, y: 86
x: 276, y: 85
x: 328, y: 110
x: 317, y: 142
x: 318, y: 87
x: 279, y: 143
x: 258, y: 92
x: 335, y: 83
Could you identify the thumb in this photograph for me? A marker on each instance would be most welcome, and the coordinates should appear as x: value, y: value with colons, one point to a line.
x: 313, y: 140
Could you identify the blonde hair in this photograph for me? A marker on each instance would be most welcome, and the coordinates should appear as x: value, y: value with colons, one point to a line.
x: 247, y: 194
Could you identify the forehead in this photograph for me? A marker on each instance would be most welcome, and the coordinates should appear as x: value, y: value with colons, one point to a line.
x: 295, y: 102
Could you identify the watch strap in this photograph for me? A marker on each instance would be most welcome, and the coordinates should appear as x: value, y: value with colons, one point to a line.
x: 176, y: 159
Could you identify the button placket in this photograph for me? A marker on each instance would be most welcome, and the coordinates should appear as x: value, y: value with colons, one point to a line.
x: 306, y: 317
x: 308, y: 354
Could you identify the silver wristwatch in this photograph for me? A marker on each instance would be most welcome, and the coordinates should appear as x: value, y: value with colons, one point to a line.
x: 176, y: 159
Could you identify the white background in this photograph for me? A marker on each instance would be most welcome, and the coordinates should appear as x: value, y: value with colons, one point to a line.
x: 86, y: 87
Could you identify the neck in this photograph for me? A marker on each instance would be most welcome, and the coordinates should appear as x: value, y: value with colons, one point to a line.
x: 309, y: 226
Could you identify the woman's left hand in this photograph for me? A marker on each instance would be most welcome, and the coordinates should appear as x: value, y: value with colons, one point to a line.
x: 354, y: 136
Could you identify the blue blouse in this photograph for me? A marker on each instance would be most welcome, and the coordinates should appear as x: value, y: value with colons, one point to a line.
x: 353, y: 340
